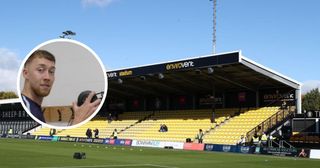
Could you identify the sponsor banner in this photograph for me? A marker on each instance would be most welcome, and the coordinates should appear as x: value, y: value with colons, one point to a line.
x: 209, y: 147
x: 257, y: 150
x: 228, y: 58
x: 98, y: 140
x: 229, y: 148
x: 277, y: 96
x: 179, y: 65
x: 68, y: 139
x: 109, y: 141
x: 245, y: 149
x: 315, y: 154
x: 279, y: 151
x: 146, y: 143
x: 220, y: 148
x: 86, y: 140
x: 28, y: 136
x: 45, y: 138
x: 123, y: 142
x: 175, y: 145
x: 13, y: 136
x: 55, y: 138
x: 193, y: 146
x: 209, y: 99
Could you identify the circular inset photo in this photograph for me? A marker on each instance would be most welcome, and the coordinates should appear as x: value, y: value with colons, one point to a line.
x: 62, y: 83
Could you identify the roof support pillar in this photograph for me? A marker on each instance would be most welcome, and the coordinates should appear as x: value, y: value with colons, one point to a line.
x: 193, y: 102
x: 224, y: 99
x: 298, y: 100
x: 168, y: 102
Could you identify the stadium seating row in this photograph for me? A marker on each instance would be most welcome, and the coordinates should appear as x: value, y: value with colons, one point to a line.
x: 16, y: 126
x: 227, y: 127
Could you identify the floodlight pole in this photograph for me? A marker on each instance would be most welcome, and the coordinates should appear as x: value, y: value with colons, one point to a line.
x: 214, y: 40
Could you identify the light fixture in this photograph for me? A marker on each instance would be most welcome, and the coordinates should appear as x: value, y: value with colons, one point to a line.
x: 120, y: 81
x: 160, y: 76
x: 210, y: 70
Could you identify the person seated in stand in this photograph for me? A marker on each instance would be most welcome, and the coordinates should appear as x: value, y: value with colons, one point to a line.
x: 161, y: 128
x: 165, y: 128
x: 242, y: 141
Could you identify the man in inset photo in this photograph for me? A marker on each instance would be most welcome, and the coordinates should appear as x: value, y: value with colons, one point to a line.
x: 39, y: 77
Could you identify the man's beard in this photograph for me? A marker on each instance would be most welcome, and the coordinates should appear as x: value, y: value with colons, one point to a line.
x: 42, y: 92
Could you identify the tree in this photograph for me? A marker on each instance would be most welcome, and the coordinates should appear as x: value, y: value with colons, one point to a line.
x: 7, y: 95
x: 311, y: 100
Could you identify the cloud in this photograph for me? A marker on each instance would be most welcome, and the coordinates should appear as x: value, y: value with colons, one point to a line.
x: 98, y: 3
x: 309, y: 85
x: 9, y: 67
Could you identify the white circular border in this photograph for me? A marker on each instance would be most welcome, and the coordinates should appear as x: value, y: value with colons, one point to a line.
x: 101, y: 66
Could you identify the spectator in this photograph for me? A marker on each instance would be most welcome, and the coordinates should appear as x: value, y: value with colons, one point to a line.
x: 89, y: 133
x: 270, y: 139
x: 96, y: 133
x: 161, y: 128
x: 255, y: 140
x: 51, y: 132
x: 165, y: 128
x: 284, y: 105
x: 199, y: 136
x: 242, y: 141
x: 264, y: 139
x: 213, y: 119
x: 109, y: 118
x: 302, y: 153
x: 10, y: 132
x: 259, y: 132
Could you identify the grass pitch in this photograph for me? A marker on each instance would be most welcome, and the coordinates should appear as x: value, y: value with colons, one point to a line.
x: 36, y: 154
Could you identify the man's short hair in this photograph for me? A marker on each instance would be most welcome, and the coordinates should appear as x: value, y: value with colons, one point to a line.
x: 41, y: 54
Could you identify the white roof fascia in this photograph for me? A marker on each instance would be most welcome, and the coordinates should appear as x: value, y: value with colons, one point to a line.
x: 269, y: 72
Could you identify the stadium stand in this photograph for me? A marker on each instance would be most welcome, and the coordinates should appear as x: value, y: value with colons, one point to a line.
x: 16, y: 126
x: 183, y: 94
x: 231, y: 131
x: 185, y: 124
x: 106, y: 127
x: 13, y: 118
x: 182, y: 124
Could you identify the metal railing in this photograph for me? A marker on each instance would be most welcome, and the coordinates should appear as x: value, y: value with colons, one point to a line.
x: 271, y: 121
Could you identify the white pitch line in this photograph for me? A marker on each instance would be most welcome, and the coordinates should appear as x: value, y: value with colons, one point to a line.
x: 128, y: 165
x: 131, y: 165
x: 154, y: 165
